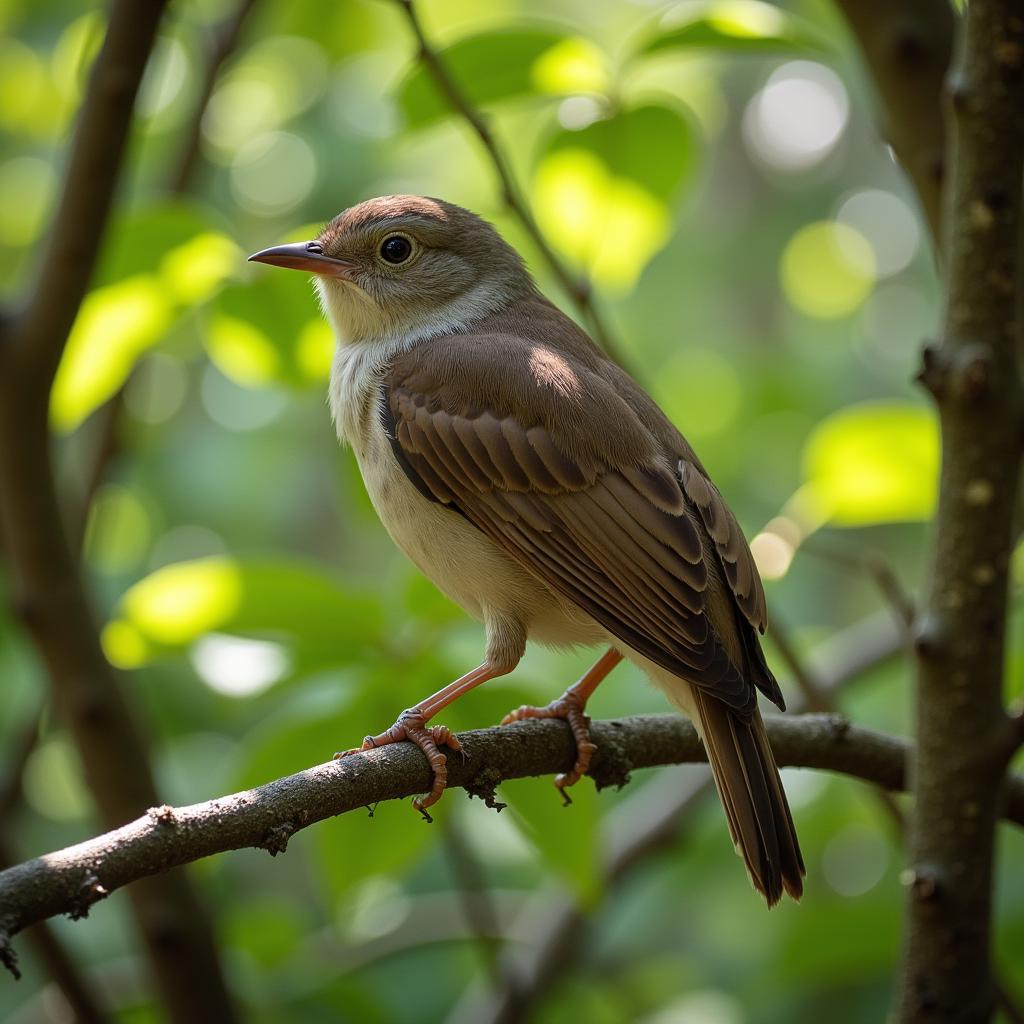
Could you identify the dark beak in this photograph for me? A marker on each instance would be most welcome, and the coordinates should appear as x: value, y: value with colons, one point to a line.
x: 308, y: 256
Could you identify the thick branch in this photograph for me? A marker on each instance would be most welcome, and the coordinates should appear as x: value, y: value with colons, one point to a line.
x: 965, y: 737
x: 71, y: 880
x: 90, y: 180
x: 907, y: 47
x: 48, y: 591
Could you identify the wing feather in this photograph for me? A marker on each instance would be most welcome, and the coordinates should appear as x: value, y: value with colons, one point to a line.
x: 624, y: 543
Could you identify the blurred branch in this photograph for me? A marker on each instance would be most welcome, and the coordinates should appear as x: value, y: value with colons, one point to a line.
x: 222, y: 42
x: 49, y: 595
x: 877, y: 569
x: 77, y: 994
x: 908, y: 47
x: 70, y: 881
x: 478, y: 910
x: 39, y: 330
x: 577, y: 288
x: 965, y: 736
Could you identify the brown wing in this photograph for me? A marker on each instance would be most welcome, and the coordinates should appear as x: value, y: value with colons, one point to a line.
x: 639, y: 548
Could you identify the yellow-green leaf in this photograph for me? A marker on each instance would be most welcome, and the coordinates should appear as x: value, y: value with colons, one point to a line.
x: 114, y: 327
x: 876, y: 462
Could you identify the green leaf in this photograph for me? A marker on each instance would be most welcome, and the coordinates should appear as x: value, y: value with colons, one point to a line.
x: 605, y: 201
x: 490, y: 67
x: 876, y: 462
x: 745, y: 26
x: 178, y: 603
x: 269, y: 331
x: 162, y: 262
x: 567, y: 838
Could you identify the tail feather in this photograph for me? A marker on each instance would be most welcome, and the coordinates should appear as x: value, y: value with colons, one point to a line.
x: 755, y: 803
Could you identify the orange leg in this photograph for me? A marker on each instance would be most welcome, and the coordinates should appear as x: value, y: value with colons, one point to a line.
x: 570, y: 707
x: 412, y: 725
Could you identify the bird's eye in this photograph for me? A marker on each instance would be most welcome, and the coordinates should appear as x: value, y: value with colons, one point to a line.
x: 396, y: 249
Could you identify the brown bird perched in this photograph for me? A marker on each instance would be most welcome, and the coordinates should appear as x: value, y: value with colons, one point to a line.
x: 539, y: 487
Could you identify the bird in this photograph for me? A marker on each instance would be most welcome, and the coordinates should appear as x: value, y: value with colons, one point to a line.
x: 538, y: 486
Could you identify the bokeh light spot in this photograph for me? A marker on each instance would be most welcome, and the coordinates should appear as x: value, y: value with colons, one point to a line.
x: 273, y: 173
x: 854, y: 861
x: 798, y: 118
x: 238, y: 666
x: 828, y: 270
x: 888, y: 224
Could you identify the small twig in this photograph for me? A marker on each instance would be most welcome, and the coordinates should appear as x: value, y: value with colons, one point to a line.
x: 478, y: 911
x: 222, y: 42
x: 577, y: 288
x: 816, y: 698
x: 105, y: 447
x: 877, y: 569
x: 10, y: 788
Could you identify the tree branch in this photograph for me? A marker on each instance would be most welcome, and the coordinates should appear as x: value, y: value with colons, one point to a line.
x: 965, y: 737
x: 908, y: 47
x: 69, y: 881
x: 220, y: 46
x: 90, y: 179
x: 577, y: 288
x: 48, y: 591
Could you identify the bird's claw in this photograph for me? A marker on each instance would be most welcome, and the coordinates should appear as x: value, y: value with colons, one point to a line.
x: 411, y: 726
x: 571, y: 708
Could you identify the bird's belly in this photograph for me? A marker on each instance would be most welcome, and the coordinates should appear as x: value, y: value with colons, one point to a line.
x: 460, y: 560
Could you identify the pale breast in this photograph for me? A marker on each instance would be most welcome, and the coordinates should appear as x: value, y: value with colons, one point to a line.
x: 458, y: 558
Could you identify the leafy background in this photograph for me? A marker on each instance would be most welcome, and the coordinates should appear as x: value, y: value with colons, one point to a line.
x: 716, y: 169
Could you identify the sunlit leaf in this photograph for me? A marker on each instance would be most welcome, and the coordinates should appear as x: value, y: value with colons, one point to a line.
x: 115, y: 326
x: 735, y: 26
x: 269, y: 330
x: 574, y: 65
x: 566, y: 837
x: 161, y: 262
x: 490, y: 66
x: 196, y: 268
x: 604, y: 200
x: 177, y: 604
x: 875, y: 462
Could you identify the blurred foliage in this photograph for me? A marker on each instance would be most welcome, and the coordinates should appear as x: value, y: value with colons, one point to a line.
x: 714, y: 166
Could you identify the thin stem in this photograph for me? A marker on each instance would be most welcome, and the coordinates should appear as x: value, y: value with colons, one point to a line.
x: 577, y: 288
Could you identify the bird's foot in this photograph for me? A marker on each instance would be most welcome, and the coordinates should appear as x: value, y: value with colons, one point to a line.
x: 412, y: 726
x: 569, y: 706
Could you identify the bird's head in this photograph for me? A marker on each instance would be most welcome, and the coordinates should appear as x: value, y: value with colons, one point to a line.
x: 405, y: 266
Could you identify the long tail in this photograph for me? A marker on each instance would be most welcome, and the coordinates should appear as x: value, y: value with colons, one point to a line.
x: 755, y: 803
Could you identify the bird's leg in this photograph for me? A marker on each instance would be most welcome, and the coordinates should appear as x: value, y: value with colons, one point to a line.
x: 412, y: 725
x: 570, y: 706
